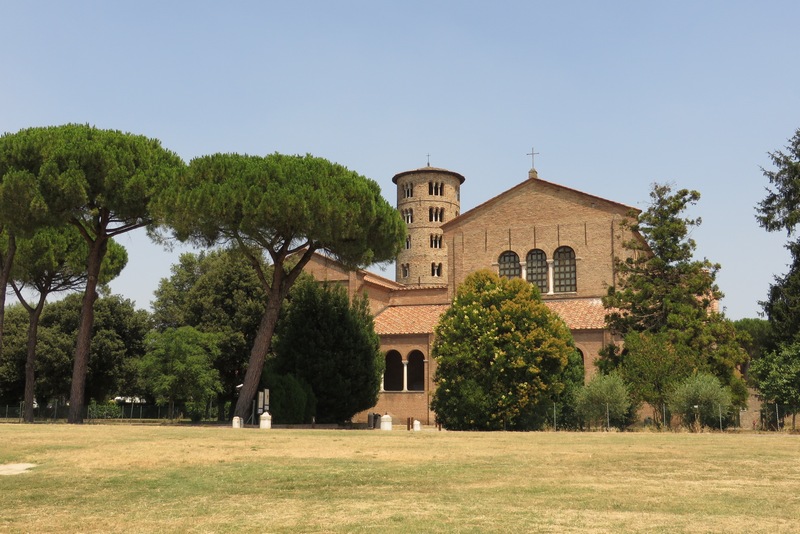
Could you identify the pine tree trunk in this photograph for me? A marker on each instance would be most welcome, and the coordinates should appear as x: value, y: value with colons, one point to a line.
x: 30, y: 360
x: 81, y: 364
x: 5, y: 276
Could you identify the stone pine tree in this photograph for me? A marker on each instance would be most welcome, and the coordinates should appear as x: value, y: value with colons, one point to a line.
x: 101, y: 182
x: 662, y: 294
x: 501, y: 356
x: 287, y: 208
x: 52, y: 260
x: 330, y: 343
x: 22, y: 207
x: 780, y: 211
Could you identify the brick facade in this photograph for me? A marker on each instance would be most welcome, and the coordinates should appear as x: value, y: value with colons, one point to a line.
x: 535, y: 215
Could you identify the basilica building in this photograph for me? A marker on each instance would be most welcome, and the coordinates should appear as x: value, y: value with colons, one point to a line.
x: 558, y: 238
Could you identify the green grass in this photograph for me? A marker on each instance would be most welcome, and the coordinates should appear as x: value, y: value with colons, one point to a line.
x: 99, y: 478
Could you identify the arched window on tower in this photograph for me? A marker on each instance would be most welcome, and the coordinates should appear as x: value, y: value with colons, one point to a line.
x: 436, y: 269
x: 416, y: 371
x: 536, y: 269
x: 404, y: 268
x: 509, y: 264
x: 408, y: 242
x: 436, y: 241
x: 408, y: 190
x: 408, y: 216
x: 565, y: 274
x: 393, y: 376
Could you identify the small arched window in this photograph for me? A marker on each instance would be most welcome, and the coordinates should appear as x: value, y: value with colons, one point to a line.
x: 408, y: 190
x: 536, y: 269
x: 509, y: 264
x: 393, y: 376
x: 565, y: 273
x: 436, y: 241
x: 408, y: 216
x: 416, y: 371
x: 405, y: 269
x: 408, y: 242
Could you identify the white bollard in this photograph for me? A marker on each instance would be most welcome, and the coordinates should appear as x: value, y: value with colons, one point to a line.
x: 386, y: 422
x: 237, y: 422
x: 417, y: 426
x: 266, y: 421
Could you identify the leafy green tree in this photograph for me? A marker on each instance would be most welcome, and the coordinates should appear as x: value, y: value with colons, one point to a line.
x: 780, y: 211
x: 102, y: 183
x: 178, y: 367
x: 700, y: 400
x: 662, y: 290
x: 756, y: 338
x: 778, y: 377
x: 52, y: 261
x: 604, y: 401
x: 118, y: 341
x: 501, y: 356
x: 291, y: 400
x: 12, y: 359
x: 288, y: 207
x: 330, y: 343
x: 215, y: 292
x: 651, y: 365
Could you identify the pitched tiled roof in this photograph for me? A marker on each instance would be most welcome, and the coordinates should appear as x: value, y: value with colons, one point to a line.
x: 579, y: 314
x: 409, y: 319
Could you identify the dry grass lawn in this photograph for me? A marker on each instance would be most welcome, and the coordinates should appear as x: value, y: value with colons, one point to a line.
x: 116, y: 478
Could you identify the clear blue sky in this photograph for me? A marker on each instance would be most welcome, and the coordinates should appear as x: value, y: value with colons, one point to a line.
x: 613, y: 95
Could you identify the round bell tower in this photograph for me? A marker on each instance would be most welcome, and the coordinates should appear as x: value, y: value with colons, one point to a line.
x: 426, y: 198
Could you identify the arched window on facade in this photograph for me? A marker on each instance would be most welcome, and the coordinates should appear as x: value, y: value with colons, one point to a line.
x: 436, y: 214
x: 416, y: 371
x: 536, y: 269
x: 436, y: 188
x: 565, y: 273
x: 393, y: 376
x: 509, y: 264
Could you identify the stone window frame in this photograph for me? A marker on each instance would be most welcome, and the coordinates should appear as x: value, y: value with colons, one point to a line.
x: 509, y: 265
x: 537, y: 270
x: 565, y: 270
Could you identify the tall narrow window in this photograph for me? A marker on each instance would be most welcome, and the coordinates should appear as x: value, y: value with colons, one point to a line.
x: 436, y: 241
x: 436, y: 269
x: 416, y: 371
x: 536, y: 269
x: 436, y: 214
x: 436, y: 188
x: 408, y: 216
x: 393, y: 375
x: 404, y: 269
x: 565, y: 274
x: 408, y: 190
x: 408, y: 242
x: 509, y: 265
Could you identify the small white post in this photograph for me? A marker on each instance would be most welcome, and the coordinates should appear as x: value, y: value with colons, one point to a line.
x: 266, y: 421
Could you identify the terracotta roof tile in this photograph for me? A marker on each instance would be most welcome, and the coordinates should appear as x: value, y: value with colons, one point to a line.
x: 579, y: 314
x: 409, y: 319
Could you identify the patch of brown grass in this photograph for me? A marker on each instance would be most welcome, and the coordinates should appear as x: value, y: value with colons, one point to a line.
x: 194, y: 479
